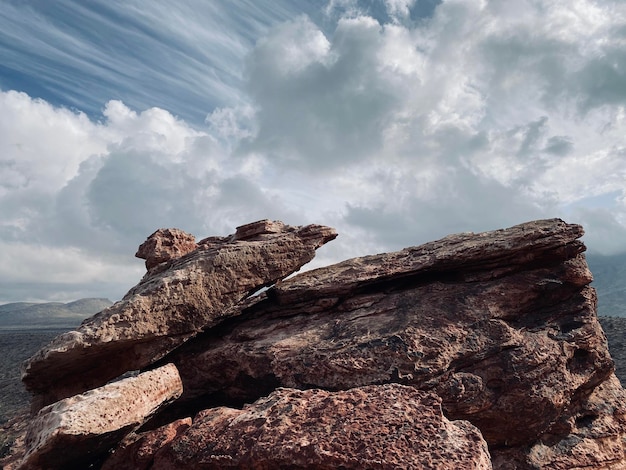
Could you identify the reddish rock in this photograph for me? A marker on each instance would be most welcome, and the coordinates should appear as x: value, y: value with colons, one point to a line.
x: 164, y: 245
x: 137, y: 451
x: 73, y: 432
x: 174, y: 301
x: 501, y: 325
x: 262, y: 227
x: 463, y: 257
x: 374, y: 427
x: 498, y: 329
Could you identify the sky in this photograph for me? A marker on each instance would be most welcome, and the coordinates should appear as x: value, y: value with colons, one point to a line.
x: 395, y: 121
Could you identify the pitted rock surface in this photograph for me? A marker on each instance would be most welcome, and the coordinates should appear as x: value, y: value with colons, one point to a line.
x: 138, y: 451
x: 165, y: 244
x: 497, y: 329
x: 73, y: 431
x: 376, y: 427
x: 173, y: 302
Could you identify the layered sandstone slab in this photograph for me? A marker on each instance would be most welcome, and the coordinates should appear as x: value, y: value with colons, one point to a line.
x: 376, y: 427
x: 73, y: 432
x: 461, y: 257
x: 185, y: 291
x: 501, y: 325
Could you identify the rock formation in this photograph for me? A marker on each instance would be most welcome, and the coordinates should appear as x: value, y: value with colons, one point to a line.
x: 186, y: 292
x: 164, y: 245
x: 473, y: 351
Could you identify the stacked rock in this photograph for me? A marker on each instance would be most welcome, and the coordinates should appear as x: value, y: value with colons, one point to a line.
x: 473, y: 351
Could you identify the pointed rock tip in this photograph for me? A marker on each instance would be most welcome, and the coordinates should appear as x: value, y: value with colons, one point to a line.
x: 320, y: 233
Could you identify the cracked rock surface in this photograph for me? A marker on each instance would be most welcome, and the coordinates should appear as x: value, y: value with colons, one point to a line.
x: 190, y: 290
x: 474, y: 351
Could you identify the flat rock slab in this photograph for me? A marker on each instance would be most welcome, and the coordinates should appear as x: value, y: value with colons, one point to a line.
x: 186, y: 292
x: 73, y: 432
x: 375, y: 427
x: 464, y: 257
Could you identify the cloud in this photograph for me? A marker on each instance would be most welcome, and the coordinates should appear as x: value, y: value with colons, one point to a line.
x: 33, y: 272
x: 79, y: 197
x: 316, y: 102
x: 185, y: 57
x: 397, y: 122
x: 605, y: 229
x: 491, y: 90
x: 41, y: 148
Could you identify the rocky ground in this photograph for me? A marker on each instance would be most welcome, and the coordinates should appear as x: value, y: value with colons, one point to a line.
x: 15, y: 348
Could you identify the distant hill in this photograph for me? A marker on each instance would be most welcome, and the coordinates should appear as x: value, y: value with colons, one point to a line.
x: 50, y: 314
x: 609, y: 279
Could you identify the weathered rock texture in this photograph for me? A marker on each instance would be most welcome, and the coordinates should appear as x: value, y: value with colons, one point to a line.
x: 188, y: 292
x: 138, y: 451
x: 495, y: 324
x: 499, y: 329
x: 164, y: 245
x: 589, y: 436
x: 376, y: 427
x: 74, y: 431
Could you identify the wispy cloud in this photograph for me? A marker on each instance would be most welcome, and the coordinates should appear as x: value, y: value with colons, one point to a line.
x: 185, y: 56
x: 395, y: 121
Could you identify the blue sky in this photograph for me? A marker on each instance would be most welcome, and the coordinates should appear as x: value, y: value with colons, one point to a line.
x: 395, y: 121
x: 186, y: 57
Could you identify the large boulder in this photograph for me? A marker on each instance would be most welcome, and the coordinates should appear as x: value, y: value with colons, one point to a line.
x: 375, y: 427
x: 501, y: 325
x: 73, y: 432
x: 186, y: 292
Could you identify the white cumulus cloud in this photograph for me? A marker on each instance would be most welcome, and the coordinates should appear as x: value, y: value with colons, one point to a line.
x: 395, y: 121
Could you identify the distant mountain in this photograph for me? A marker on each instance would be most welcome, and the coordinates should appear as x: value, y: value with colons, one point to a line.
x: 609, y: 279
x: 50, y: 314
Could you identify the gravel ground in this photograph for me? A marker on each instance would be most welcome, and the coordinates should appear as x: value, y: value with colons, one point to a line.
x: 15, y: 347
